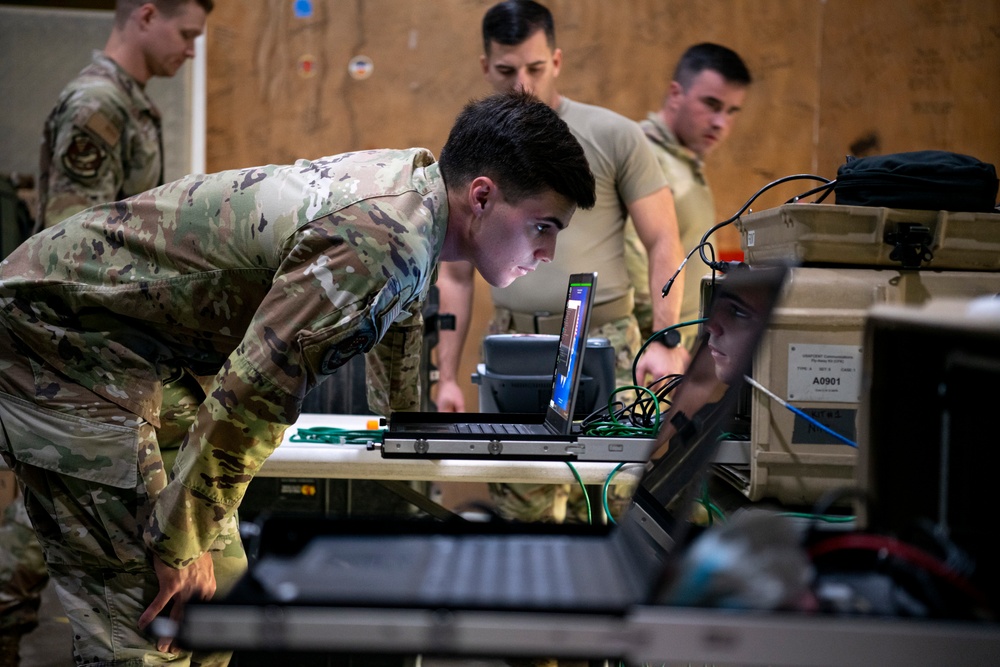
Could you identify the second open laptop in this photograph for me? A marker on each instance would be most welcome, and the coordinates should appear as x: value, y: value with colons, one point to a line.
x: 421, y: 566
x: 484, y: 427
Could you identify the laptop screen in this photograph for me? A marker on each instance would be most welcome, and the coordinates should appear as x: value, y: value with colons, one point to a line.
x: 704, y: 402
x: 572, y: 344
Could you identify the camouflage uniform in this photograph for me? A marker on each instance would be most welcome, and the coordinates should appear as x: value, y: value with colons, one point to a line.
x: 270, y: 278
x: 102, y: 142
x: 695, y: 208
x: 22, y: 571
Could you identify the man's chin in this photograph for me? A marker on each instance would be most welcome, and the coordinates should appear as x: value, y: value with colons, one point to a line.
x: 501, y: 281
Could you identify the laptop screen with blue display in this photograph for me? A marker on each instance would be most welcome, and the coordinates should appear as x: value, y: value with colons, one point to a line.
x: 571, y: 346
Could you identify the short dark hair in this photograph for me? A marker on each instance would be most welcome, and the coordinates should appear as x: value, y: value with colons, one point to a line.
x: 513, y: 21
x: 522, y: 144
x: 708, y: 56
x: 123, y: 8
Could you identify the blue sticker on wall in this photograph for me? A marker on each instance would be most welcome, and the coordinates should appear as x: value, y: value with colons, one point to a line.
x: 303, y: 9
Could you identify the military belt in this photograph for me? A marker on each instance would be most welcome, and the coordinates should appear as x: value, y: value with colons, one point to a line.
x: 547, y: 323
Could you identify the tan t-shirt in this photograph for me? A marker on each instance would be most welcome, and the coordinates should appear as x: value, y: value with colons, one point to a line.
x: 695, y: 209
x: 625, y: 170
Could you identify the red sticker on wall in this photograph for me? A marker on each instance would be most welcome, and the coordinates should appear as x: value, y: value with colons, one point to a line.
x: 307, y: 66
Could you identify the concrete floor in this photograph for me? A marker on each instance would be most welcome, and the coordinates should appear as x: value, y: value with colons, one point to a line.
x: 50, y: 644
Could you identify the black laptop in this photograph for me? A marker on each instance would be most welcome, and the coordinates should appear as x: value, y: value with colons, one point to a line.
x: 558, y: 419
x: 498, y: 566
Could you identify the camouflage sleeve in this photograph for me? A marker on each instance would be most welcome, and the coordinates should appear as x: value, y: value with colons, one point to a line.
x: 86, y: 165
x: 238, y: 426
x: 393, y: 366
x: 325, y: 305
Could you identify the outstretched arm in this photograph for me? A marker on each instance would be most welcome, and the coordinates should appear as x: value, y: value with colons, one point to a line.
x: 456, y: 285
x: 656, y: 224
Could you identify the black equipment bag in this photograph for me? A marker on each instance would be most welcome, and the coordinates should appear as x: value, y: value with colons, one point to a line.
x: 925, y: 180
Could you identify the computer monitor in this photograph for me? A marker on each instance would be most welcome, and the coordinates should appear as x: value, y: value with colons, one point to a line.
x: 516, y: 374
x: 927, y: 450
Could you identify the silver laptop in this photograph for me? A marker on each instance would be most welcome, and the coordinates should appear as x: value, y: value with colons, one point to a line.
x: 411, y: 427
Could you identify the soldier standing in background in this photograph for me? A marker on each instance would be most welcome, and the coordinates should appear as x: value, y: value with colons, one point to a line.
x: 520, y: 53
x: 102, y: 141
x: 699, y: 110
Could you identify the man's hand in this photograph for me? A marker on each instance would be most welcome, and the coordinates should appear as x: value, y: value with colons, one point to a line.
x: 659, y: 360
x: 197, y: 581
x: 449, y: 397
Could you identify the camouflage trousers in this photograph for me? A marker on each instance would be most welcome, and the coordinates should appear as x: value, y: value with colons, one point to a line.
x: 560, y: 503
x: 637, y: 265
x: 89, y: 522
x: 22, y: 578
x: 22, y: 570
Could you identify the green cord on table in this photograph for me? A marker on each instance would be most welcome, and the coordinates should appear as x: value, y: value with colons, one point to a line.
x: 604, y: 491
x: 335, y: 436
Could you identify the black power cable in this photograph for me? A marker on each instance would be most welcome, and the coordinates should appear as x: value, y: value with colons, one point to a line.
x: 826, y: 188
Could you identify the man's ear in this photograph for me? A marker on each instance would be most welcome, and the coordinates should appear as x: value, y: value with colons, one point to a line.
x: 144, y: 14
x: 674, y: 93
x: 483, y: 192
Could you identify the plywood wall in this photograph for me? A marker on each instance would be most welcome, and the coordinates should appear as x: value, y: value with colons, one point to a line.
x: 831, y: 77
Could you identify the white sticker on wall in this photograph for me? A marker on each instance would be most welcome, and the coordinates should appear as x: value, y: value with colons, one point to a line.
x: 829, y: 373
x: 360, y: 67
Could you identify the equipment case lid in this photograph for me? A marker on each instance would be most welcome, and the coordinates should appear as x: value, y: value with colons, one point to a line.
x: 871, y: 236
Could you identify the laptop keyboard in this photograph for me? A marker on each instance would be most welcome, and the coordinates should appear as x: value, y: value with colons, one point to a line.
x: 507, y: 569
x: 500, y: 429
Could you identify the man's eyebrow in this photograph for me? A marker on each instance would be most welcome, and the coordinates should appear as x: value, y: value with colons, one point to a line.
x: 712, y: 99
x: 738, y: 300
x: 534, y: 63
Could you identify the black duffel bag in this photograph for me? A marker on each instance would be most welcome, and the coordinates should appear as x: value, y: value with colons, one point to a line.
x: 925, y: 180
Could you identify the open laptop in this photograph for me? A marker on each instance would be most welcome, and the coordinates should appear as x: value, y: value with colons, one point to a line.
x: 409, y: 427
x: 499, y: 567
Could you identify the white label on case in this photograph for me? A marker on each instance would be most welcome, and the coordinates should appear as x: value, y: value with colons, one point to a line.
x: 830, y: 373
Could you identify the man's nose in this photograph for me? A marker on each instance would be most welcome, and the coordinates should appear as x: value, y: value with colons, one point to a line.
x: 547, y: 251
